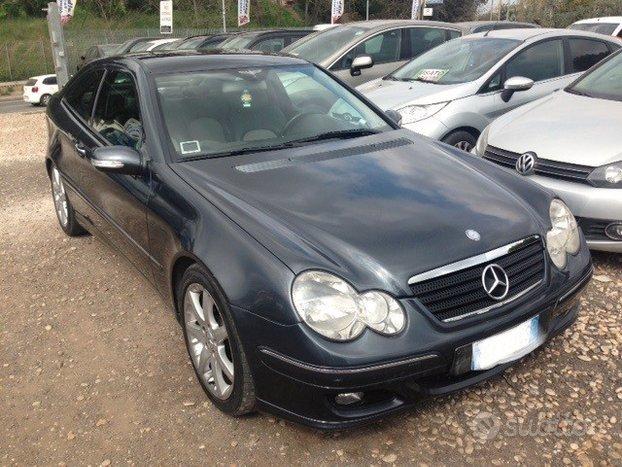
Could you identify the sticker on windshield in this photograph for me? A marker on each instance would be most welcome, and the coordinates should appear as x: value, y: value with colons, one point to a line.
x: 246, y: 98
x: 431, y: 74
x: 190, y: 147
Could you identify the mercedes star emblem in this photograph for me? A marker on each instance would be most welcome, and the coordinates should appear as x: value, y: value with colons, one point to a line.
x: 473, y: 235
x: 526, y: 164
x: 495, y: 281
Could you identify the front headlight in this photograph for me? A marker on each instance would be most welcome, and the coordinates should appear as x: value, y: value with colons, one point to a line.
x: 563, y: 238
x: 482, y: 142
x: 607, y: 176
x: 414, y: 113
x: 331, y: 307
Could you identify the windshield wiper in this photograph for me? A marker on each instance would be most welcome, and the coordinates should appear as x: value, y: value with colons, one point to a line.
x: 343, y: 134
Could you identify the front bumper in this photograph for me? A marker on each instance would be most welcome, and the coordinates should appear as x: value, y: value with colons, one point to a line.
x: 588, y: 202
x: 297, y: 374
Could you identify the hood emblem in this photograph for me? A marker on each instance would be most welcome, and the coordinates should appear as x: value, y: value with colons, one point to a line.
x: 473, y: 235
x: 526, y: 164
x: 495, y: 281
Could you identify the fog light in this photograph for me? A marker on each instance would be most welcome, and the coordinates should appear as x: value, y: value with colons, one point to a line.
x: 614, y: 231
x: 348, y: 398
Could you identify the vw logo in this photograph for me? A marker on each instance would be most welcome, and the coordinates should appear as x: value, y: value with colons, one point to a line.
x: 495, y: 281
x: 526, y: 164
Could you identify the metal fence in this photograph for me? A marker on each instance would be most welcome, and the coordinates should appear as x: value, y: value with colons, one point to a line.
x: 20, y: 60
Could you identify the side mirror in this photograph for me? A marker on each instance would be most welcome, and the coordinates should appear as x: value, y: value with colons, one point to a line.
x: 515, y: 83
x: 117, y: 159
x: 395, y: 116
x: 360, y: 62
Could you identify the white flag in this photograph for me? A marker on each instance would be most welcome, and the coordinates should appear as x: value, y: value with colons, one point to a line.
x: 244, y: 12
x: 66, y: 9
x: 415, y: 10
x: 337, y: 11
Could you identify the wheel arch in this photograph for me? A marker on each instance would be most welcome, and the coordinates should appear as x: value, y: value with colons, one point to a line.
x: 469, y: 129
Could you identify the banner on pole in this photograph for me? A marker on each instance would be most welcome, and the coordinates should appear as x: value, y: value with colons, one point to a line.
x: 414, y: 13
x: 166, y: 17
x: 66, y: 9
x: 337, y: 11
x: 244, y: 12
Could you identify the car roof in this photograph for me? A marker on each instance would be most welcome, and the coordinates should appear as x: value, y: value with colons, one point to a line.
x: 472, y: 24
x: 539, y: 33
x: 602, y: 19
x: 387, y: 23
x: 184, y: 61
x: 270, y: 31
x: 38, y: 77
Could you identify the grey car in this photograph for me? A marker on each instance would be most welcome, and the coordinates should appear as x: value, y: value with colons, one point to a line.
x: 472, y: 27
x: 569, y: 142
x: 361, y: 51
x: 454, y: 91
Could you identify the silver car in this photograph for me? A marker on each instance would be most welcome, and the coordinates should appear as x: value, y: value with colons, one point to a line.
x: 454, y: 91
x: 569, y: 142
x: 360, y: 51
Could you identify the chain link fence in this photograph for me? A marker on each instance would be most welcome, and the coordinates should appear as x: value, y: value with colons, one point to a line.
x: 21, y: 60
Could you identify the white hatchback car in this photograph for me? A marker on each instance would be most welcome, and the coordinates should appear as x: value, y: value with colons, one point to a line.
x: 39, y: 89
x: 609, y: 25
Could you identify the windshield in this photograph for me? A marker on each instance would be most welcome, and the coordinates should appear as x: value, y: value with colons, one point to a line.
x: 602, y: 28
x: 322, y: 45
x: 604, y: 82
x: 222, y: 112
x: 238, y: 42
x: 457, y: 61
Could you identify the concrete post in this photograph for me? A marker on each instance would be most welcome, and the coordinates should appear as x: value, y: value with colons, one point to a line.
x: 57, y: 41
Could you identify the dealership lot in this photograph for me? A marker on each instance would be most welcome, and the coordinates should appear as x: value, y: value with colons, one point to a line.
x: 93, y: 368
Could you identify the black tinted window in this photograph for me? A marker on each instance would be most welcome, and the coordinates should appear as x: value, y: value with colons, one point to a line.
x: 539, y: 62
x: 117, y: 115
x: 50, y: 80
x: 586, y: 52
x: 423, y: 39
x: 81, y: 93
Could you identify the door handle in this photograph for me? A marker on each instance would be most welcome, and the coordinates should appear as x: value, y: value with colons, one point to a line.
x: 81, y: 149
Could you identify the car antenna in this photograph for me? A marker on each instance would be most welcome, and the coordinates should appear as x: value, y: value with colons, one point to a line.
x: 486, y: 33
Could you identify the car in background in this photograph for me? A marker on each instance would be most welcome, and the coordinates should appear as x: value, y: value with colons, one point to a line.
x: 170, y: 45
x: 609, y: 25
x: 569, y: 142
x: 473, y: 27
x: 98, y: 51
x: 39, y: 89
x: 148, y: 46
x: 324, y: 264
x: 454, y: 91
x: 323, y: 26
x: 364, y: 50
x: 126, y: 46
x: 271, y: 41
x: 201, y: 42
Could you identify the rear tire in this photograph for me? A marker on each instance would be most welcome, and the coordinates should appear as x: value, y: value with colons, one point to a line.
x: 213, y: 343
x: 45, y: 100
x: 64, y: 210
x: 461, y: 139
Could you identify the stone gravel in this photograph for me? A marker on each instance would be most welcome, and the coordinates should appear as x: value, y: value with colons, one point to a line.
x: 93, y: 369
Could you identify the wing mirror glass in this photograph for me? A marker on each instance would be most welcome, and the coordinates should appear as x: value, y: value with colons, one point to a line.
x: 395, y: 116
x: 117, y: 159
x: 360, y: 62
x: 515, y: 83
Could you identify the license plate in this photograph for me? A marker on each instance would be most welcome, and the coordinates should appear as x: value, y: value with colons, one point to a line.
x: 507, y: 346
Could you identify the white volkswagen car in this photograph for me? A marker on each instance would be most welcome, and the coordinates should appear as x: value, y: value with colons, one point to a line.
x: 569, y: 142
x: 39, y: 89
x: 609, y: 25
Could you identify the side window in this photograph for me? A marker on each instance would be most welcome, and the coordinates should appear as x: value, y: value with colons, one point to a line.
x: 423, y: 39
x: 487, y: 27
x: 585, y: 52
x: 452, y: 34
x: 539, y: 62
x: 620, y: 33
x: 51, y: 80
x: 81, y: 94
x: 272, y: 44
x: 494, y: 84
x: 117, y: 113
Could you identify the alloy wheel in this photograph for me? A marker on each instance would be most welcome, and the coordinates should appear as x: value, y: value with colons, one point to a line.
x: 208, y: 341
x: 60, y: 197
x: 464, y: 145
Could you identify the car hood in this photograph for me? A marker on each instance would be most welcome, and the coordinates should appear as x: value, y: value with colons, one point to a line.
x: 388, y: 94
x: 375, y: 210
x: 563, y: 127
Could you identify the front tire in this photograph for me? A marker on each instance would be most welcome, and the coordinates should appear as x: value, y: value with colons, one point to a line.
x: 213, y: 343
x: 64, y: 210
x: 461, y: 140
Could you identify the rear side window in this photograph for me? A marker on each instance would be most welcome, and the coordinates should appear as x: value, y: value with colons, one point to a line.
x: 585, y: 53
x: 31, y: 82
x: 117, y: 114
x: 81, y: 93
x: 539, y: 62
x: 423, y: 39
x: 270, y: 45
x: 50, y: 80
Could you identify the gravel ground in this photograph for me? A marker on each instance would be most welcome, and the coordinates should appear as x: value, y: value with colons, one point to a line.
x: 93, y: 369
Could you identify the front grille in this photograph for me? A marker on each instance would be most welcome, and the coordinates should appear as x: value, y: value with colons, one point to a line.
x: 460, y: 293
x: 593, y: 229
x: 546, y: 168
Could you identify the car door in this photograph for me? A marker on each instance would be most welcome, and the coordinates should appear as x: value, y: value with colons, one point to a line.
x: 116, y: 202
x: 543, y: 62
x: 384, y: 48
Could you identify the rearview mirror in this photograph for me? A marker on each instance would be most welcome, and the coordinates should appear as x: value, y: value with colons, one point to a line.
x: 515, y: 83
x: 117, y: 159
x: 360, y: 62
x: 395, y: 116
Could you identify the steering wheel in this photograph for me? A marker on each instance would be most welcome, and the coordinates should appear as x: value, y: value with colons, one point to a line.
x: 288, y: 126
